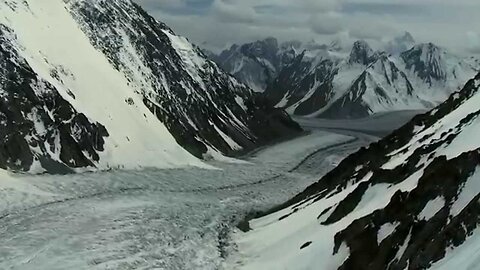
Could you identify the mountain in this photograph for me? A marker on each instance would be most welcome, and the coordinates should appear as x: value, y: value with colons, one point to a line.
x: 434, y: 65
x: 372, y: 93
x: 361, y: 54
x: 409, y: 201
x: 331, y: 84
x: 100, y: 84
x: 257, y: 64
x: 400, y: 44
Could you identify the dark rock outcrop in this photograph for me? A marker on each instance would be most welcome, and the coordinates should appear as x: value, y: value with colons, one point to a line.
x: 190, y: 113
x: 38, y: 128
x: 43, y: 127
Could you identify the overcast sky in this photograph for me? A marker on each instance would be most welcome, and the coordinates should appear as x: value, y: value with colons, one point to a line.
x: 216, y: 24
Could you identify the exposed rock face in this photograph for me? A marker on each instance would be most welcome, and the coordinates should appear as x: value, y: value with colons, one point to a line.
x: 409, y: 201
x: 288, y: 90
x: 214, y: 100
x: 371, y: 93
x: 361, y: 53
x: 151, y: 79
x: 427, y: 241
x: 427, y: 62
x: 40, y: 129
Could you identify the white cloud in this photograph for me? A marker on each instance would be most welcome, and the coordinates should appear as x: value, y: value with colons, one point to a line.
x: 223, y: 22
x: 473, y: 41
x: 230, y: 13
x: 327, y: 23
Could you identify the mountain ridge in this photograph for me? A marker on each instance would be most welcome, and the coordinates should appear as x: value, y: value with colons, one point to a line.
x: 398, y: 83
x: 148, y: 89
x: 407, y: 201
x: 430, y: 71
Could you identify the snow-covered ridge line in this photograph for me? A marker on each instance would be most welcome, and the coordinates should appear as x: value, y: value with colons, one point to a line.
x: 153, y: 93
x: 367, y: 82
x: 193, y: 82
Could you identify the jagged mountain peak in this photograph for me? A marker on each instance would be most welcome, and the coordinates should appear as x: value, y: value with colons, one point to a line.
x: 426, y: 60
x: 428, y: 51
x: 257, y: 63
x: 361, y: 53
x: 301, y: 82
x: 380, y: 87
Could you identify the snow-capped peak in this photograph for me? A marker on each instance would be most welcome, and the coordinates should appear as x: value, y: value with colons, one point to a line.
x: 361, y: 53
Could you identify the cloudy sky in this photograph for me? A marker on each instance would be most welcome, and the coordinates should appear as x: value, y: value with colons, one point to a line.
x: 216, y: 24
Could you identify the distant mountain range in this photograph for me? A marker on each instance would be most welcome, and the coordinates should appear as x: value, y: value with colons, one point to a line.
x: 329, y: 81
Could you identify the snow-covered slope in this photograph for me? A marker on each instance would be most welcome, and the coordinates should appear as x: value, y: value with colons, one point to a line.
x: 101, y: 84
x: 381, y: 87
x: 410, y: 201
x: 334, y: 85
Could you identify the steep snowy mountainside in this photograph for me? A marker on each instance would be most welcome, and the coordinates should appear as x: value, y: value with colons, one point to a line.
x: 409, y: 201
x: 366, y: 82
x: 427, y: 62
x: 205, y: 109
x: 35, y: 118
x: 127, y: 92
x: 380, y: 88
x: 436, y: 67
x: 292, y: 88
x: 50, y: 41
x: 335, y: 85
